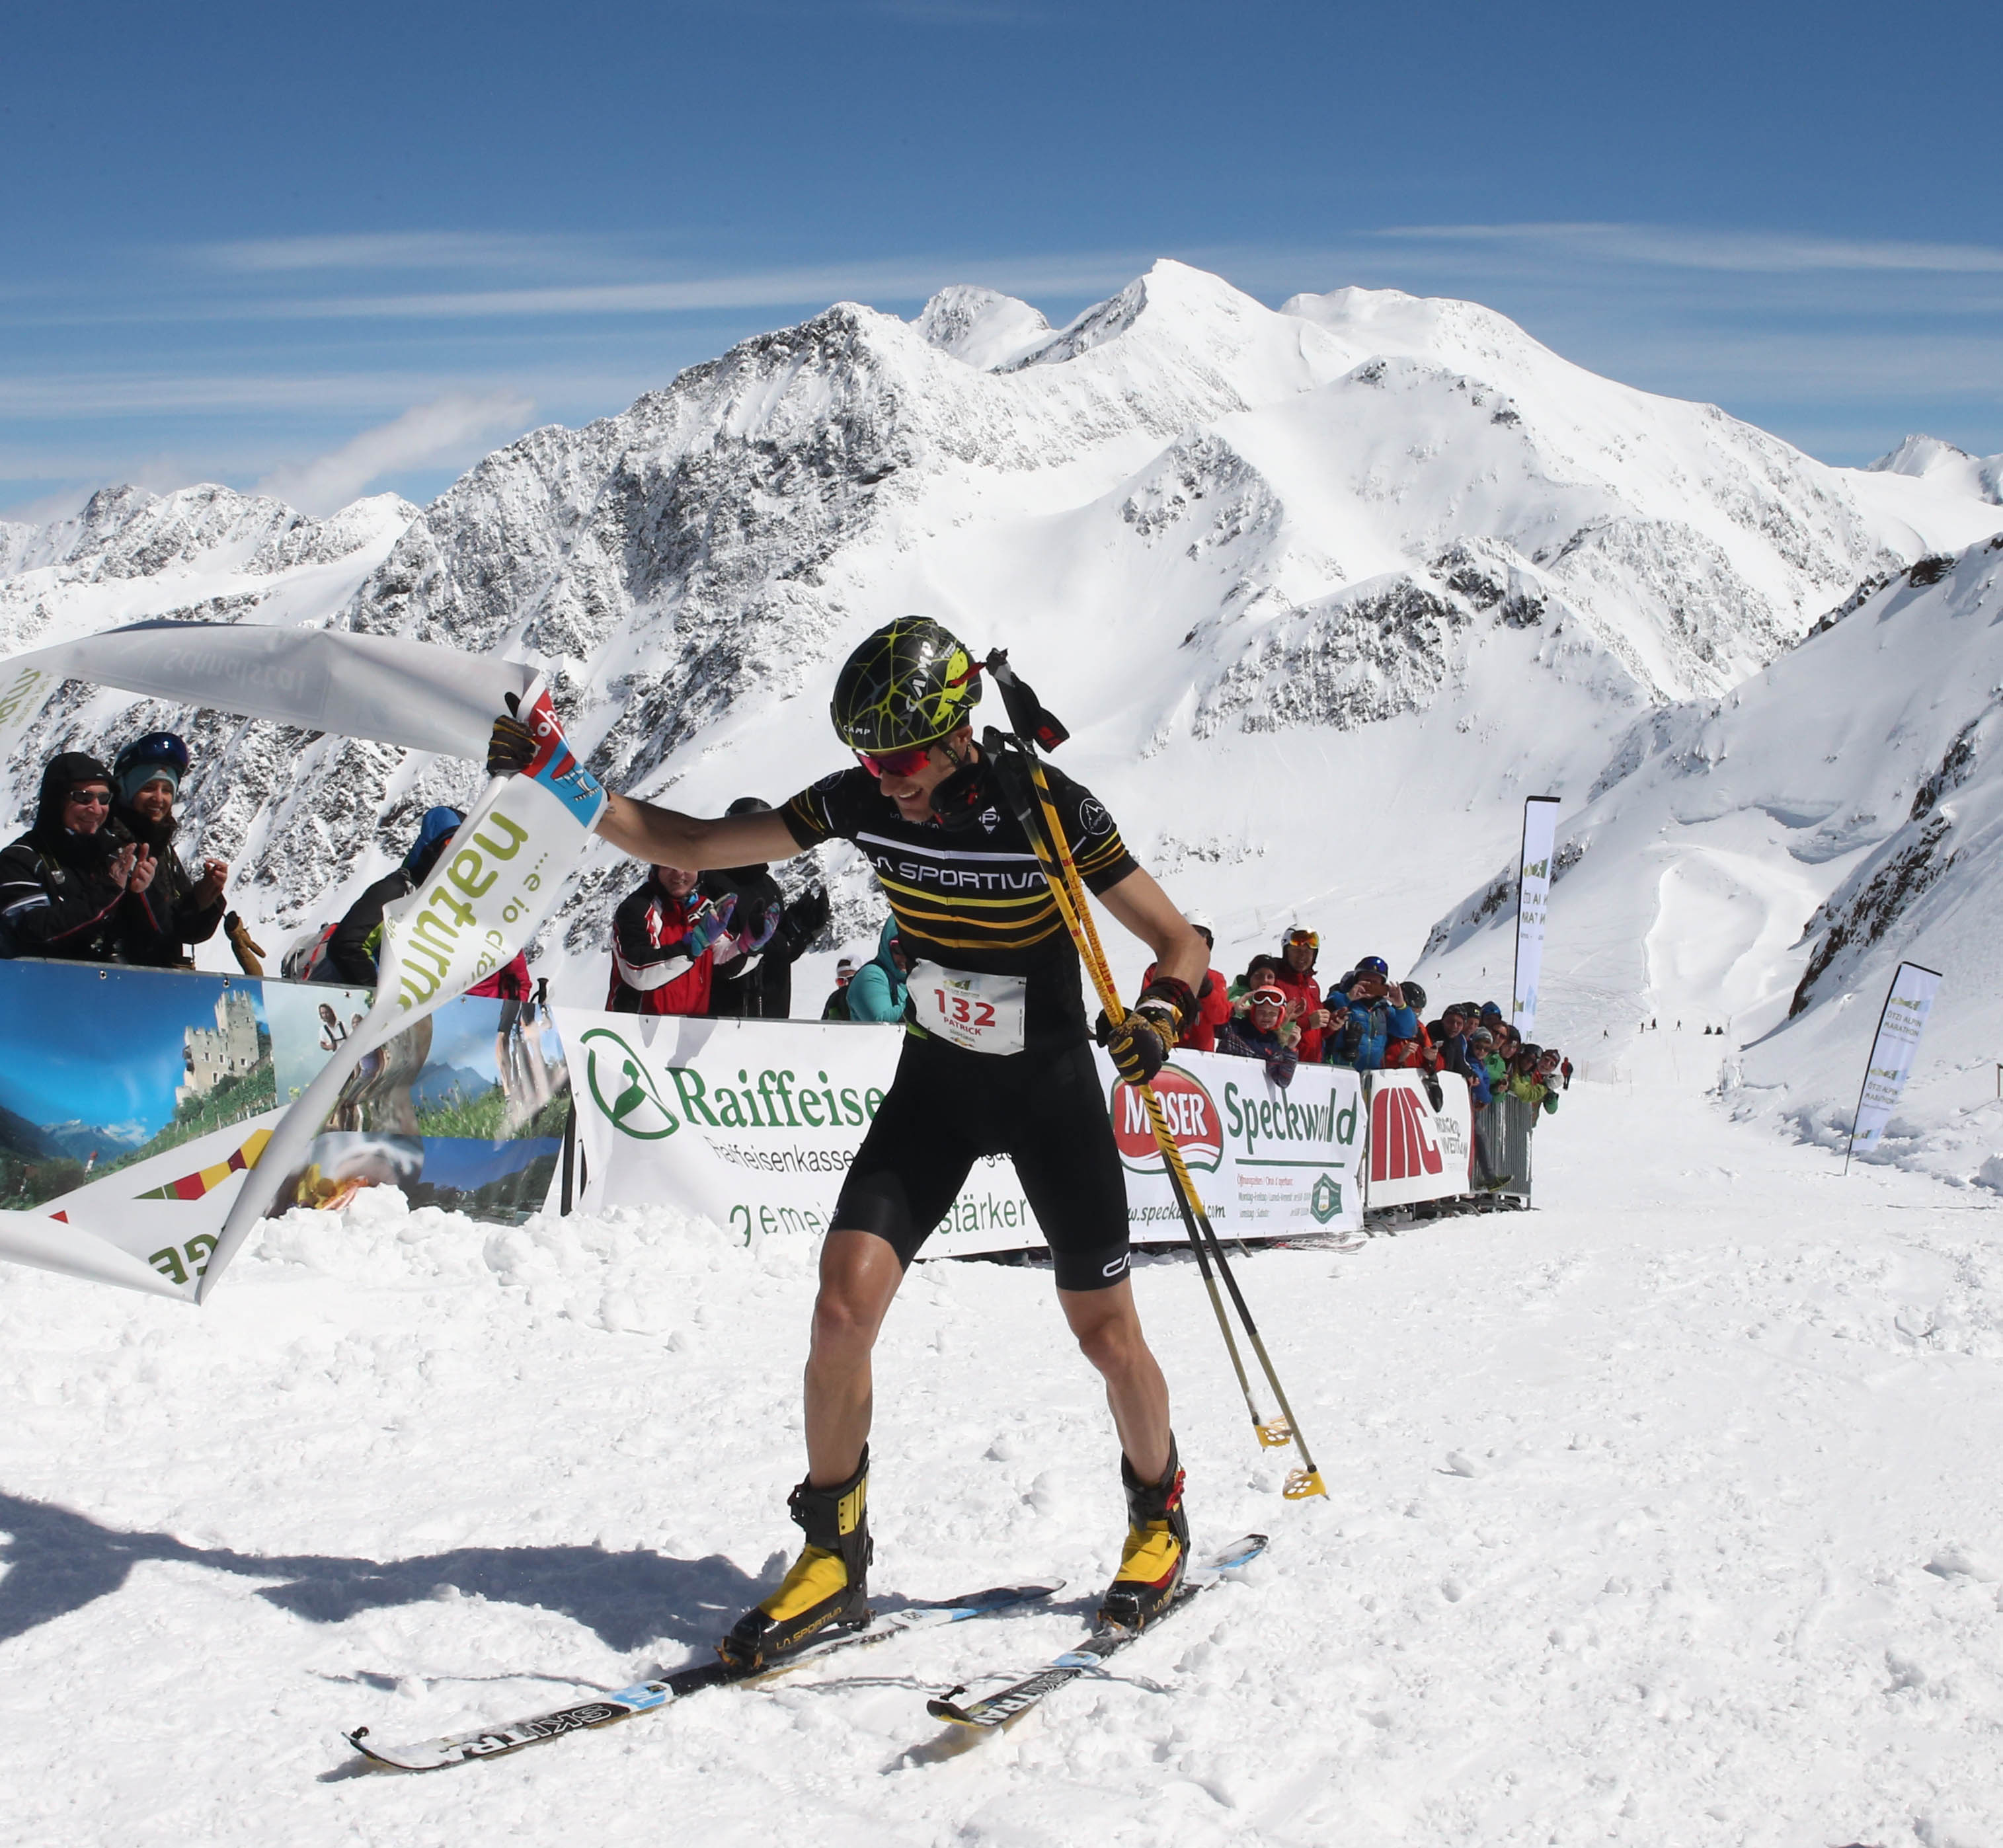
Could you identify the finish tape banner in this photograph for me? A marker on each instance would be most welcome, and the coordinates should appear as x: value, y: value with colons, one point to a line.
x: 752, y: 1124
x: 1419, y: 1150
x: 133, y: 1103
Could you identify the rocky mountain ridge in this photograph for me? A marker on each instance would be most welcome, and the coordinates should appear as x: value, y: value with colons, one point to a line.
x: 1395, y: 538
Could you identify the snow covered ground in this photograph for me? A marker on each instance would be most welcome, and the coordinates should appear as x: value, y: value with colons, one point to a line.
x: 1667, y: 1513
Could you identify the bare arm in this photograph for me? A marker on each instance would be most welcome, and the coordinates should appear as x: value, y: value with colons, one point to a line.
x: 1145, y: 909
x: 662, y: 837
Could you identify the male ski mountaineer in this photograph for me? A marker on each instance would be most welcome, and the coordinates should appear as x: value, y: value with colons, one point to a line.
x: 994, y: 1061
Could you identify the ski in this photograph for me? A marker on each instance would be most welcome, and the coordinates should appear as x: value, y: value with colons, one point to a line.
x: 645, y: 1697
x: 996, y: 1710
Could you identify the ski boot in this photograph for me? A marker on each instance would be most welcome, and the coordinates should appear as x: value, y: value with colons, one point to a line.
x: 828, y: 1588
x: 1157, y: 1550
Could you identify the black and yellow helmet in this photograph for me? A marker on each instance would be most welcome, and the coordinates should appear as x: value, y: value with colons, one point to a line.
x: 912, y: 681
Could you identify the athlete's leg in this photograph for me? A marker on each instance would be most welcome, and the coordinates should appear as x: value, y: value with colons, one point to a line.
x: 1108, y: 1327
x: 859, y: 1275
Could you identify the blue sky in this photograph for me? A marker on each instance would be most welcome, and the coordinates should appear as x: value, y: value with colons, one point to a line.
x: 336, y: 250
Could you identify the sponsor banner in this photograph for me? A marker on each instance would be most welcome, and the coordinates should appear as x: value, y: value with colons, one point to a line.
x: 1534, y: 891
x: 1419, y: 1150
x: 498, y: 877
x: 753, y: 1124
x: 1907, y: 1003
x: 133, y: 1102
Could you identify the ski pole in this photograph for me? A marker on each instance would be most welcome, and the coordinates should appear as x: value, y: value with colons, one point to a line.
x: 1047, y: 836
x: 1307, y: 1480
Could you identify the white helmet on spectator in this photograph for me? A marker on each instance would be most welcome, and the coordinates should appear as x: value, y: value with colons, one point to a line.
x: 1199, y: 920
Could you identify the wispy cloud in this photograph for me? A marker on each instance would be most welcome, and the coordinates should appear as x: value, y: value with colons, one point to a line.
x: 899, y: 279
x: 453, y: 428
x: 480, y: 250
x: 1669, y: 247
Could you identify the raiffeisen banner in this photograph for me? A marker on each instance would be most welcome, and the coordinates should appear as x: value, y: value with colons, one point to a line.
x: 753, y: 1124
x: 1907, y: 1003
x: 1533, y: 892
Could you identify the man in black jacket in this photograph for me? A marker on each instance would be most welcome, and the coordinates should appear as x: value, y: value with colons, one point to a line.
x: 759, y: 984
x: 357, y: 940
x: 65, y: 884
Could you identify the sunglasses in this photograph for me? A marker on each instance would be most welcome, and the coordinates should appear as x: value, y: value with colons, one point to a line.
x: 896, y: 764
x: 90, y: 798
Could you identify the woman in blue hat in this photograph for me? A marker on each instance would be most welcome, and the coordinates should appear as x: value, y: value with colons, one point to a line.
x: 159, y: 925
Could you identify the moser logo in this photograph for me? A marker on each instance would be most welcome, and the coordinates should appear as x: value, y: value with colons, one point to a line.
x: 1402, y: 1146
x: 1193, y: 1120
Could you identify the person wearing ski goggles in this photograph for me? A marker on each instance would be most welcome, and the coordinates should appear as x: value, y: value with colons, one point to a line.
x: 995, y: 1058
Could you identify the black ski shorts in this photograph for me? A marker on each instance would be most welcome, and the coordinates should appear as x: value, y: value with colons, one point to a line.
x: 947, y: 1107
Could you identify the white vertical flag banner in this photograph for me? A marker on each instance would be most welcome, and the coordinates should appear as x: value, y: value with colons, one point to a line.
x: 1533, y: 891
x: 1907, y: 1005
x: 499, y: 878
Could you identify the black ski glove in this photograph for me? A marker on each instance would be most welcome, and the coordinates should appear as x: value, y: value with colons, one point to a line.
x: 807, y: 915
x: 511, y: 747
x: 1141, y: 1044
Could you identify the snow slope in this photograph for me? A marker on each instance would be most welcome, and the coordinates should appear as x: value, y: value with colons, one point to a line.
x: 1662, y: 1514
x: 1764, y: 861
x: 1321, y: 592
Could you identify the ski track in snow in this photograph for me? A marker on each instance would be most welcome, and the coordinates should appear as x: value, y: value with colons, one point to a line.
x: 1667, y: 1513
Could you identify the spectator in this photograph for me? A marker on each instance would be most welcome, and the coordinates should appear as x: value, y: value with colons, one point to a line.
x: 1263, y: 1033
x: 1297, y: 954
x: 1481, y: 1046
x: 1525, y: 1082
x: 1450, y: 1038
x: 1376, y: 1014
x: 753, y: 978
x: 65, y: 884
x: 664, y: 936
x: 351, y: 948
x: 1414, y: 1052
x: 161, y: 924
x: 836, y: 1007
x: 876, y: 989
x: 1564, y: 1073
x: 1199, y: 1034
x: 1260, y: 970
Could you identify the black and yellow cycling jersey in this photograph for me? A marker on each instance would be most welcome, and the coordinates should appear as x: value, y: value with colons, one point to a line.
x: 975, y: 899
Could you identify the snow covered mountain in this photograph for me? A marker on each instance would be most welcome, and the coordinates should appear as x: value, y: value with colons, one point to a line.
x: 1928, y: 457
x: 1321, y: 591
x: 1764, y: 860
x: 205, y: 553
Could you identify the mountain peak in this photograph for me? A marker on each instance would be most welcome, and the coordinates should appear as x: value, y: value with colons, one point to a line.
x: 1919, y: 455
x: 981, y: 326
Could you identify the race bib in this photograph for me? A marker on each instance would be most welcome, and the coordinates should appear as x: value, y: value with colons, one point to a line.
x: 982, y: 1013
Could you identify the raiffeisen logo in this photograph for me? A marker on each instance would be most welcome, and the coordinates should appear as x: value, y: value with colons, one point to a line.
x: 1193, y: 1120
x: 1401, y: 1143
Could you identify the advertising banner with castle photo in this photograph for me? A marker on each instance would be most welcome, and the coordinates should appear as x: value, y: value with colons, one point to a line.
x: 752, y: 1124
x: 133, y: 1101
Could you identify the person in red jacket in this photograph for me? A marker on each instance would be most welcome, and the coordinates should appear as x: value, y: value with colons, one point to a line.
x: 1213, y: 994
x: 1303, y: 992
x: 663, y: 939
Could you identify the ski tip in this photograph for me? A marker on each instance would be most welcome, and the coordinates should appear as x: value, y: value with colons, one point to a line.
x: 945, y: 1710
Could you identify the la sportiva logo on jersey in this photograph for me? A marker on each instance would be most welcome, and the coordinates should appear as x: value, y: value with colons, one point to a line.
x: 1192, y: 1117
x: 1402, y: 1146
